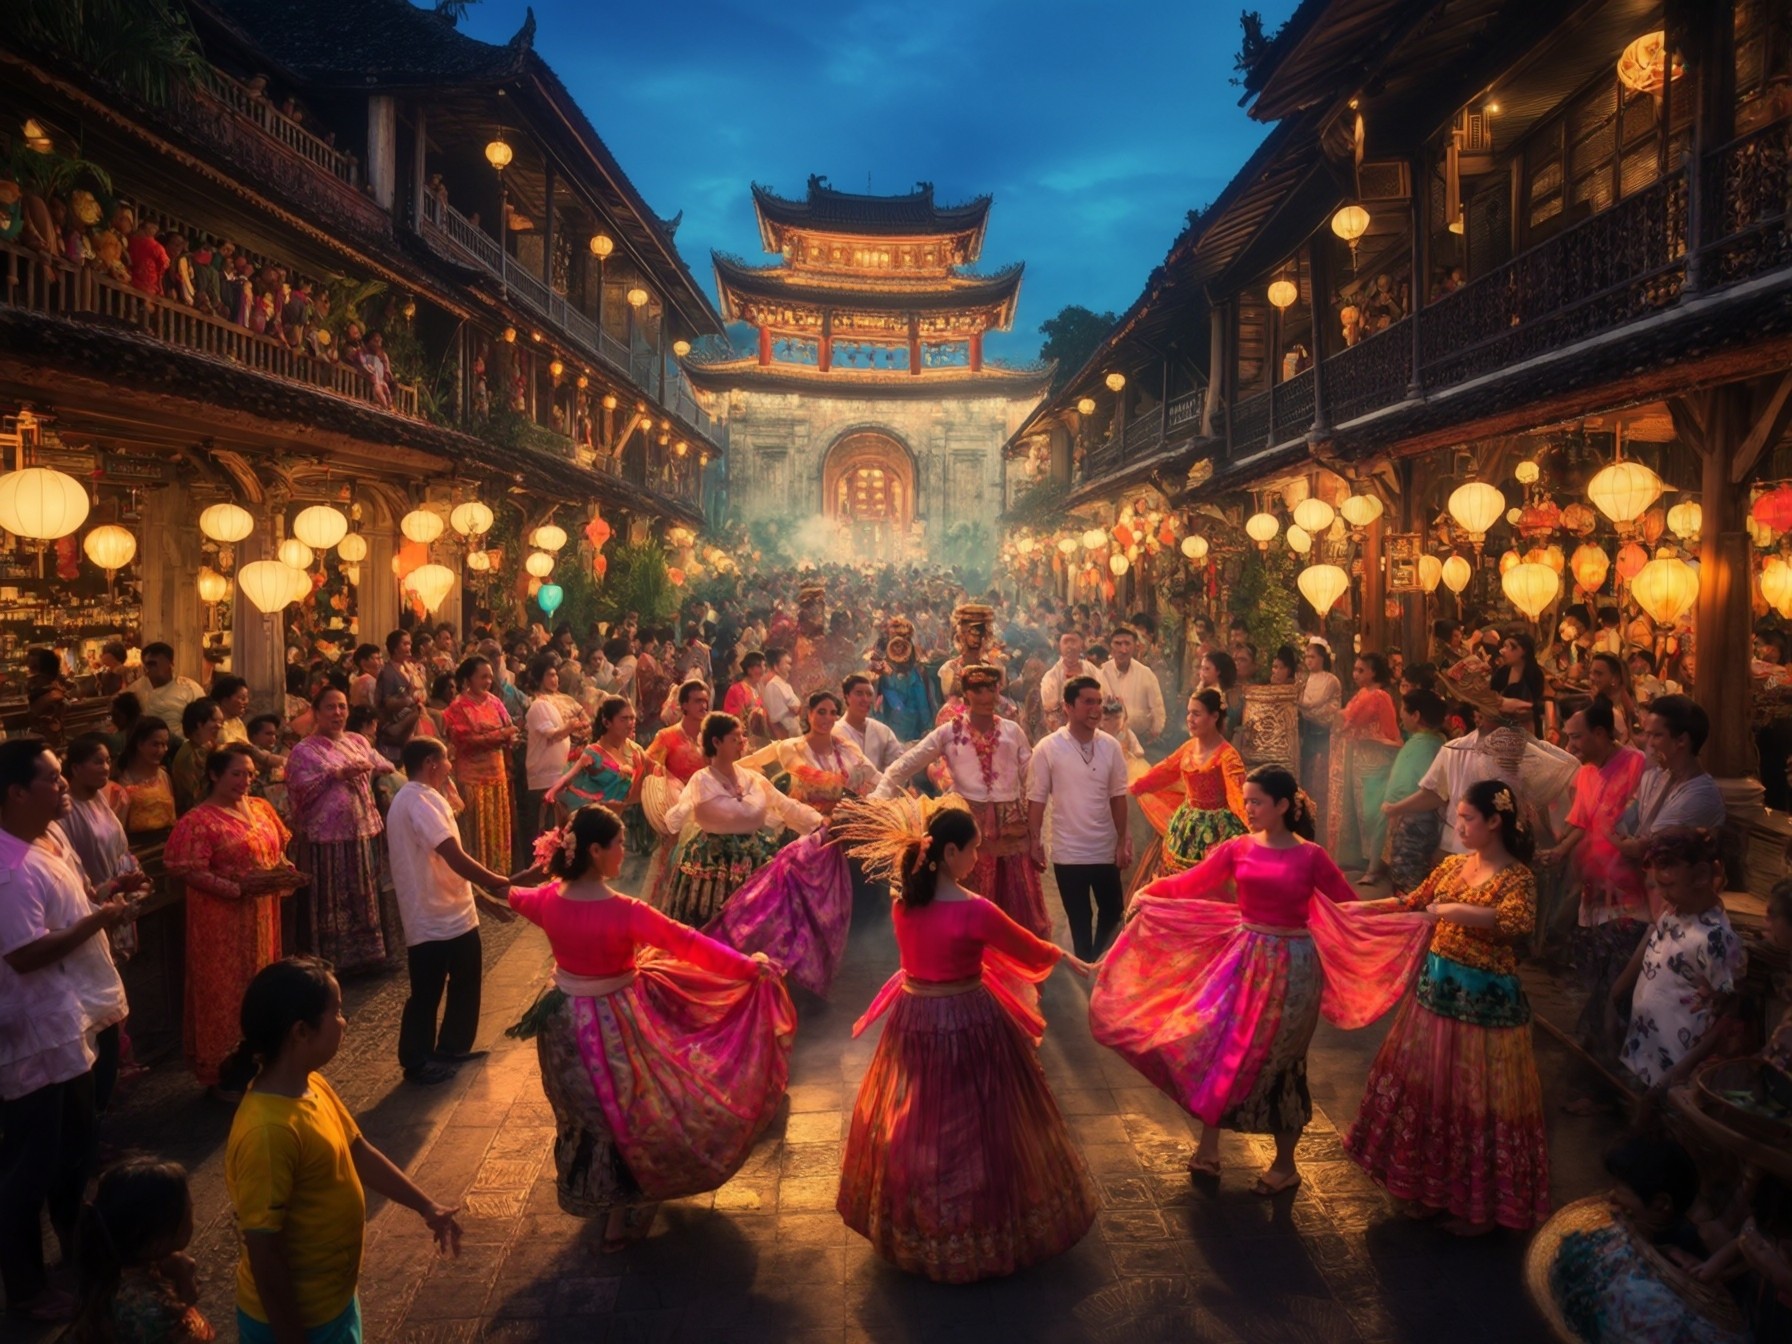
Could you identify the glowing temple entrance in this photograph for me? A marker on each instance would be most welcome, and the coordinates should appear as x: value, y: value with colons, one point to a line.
x: 868, y: 491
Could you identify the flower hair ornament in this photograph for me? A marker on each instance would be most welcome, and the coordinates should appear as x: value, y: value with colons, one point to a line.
x: 558, y: 840
x: 1502, y: 802
x: 1303, y: 807
x: 880, y: 832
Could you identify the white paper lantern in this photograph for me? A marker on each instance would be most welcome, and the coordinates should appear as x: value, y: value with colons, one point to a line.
x: 1262, y: 528
x: 480, y: 562
x: 1298, y: 540
x: 270, y: 585
x: 1094, y: 539
x: 295, y: 553
x: 1313, y: 515
x: 539, y: 564
x: 227, y: 524
x: 213, y: 586
x: 471, y: 519
x: 421, y: 526
x: 353, y: 548
x: 1361, y: 510
x: 1476, y: 506
x: 1431, y: 569
x: 1666, y: 588
x: 1624, y: 490
x: 1686, y: 520
x: 1776, y: 585
x: 320, y: 526
x: 1456, y: 573
x: 1531, y: 587
x: 431, y: 583
x: 1194, y: 546
x: 548, y: 537
x: 353, y: 573
x: 42, y: 504
x: 1323, y: 585
x: 111, y: 547
x: 1119, y: 564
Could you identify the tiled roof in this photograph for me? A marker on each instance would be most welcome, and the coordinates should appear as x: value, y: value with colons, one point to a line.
x: 914, y: 213
x: 778, y: 284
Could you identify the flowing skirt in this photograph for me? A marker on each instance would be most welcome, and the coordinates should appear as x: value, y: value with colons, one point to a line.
x: 1004, y: 873
x: 660, y: 1088
x: 958, y: 1165
x: 487, y: 823
x: 227, y: 943
x: 1452, y: 1114
x: 1191, y: 833
x: 341, y: 918
x: 708, y: 869
x: 797, y: 910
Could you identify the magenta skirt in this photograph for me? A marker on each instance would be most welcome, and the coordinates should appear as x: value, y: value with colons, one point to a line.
x: 797, y: 910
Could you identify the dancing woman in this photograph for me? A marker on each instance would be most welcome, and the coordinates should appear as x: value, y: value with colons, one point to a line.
x: 663, y: 1052
x: 1452, y: 1115
x: 738, y: 816
x: 1194, y: 797
x: 1363, y: 748
x: 1216, y: 1002
x: 958, y: 1164
x: 798, y: 908
x: 674, y: 755
x: 610, y: 770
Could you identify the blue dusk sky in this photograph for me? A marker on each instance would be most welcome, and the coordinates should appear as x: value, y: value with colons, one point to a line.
x: 1095, y: 127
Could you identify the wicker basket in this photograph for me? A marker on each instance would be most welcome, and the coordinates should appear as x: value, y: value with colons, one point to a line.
x: 1740, y: 1075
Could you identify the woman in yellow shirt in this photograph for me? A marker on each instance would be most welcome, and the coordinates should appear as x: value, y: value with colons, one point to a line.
x: 297, y: 1166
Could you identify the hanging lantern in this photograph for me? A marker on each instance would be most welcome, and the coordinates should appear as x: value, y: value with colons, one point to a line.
x: 1776, y: 585
x: 1431, y: 569
x: 637, y: 297
x: 549, y: 597
x: 111, y: 547
x: 471, y: 519
x: 1685, y: 520
x: 1119, y: 564
x: 1314, y: 515
x: 42, y: 504
x: 1299, y: 541
x: 1456, y: 573
x: 1773, y: 510
x: 1476, y: 506
x: 1666, y: 588
x: 1580, y: 519
x: 320, y: 527
x: 1094, y: 539
x: 1623, y: 490
x: 1361, y: 510
x: 226, y: 524
x: 675, y: 577
x: 602, y: 245
x: 480, y: 562
x: 1590, y: 565
x: 295, y: 554
x: 1631, y: 559
x: 1262, y: 528
x: 1531, y: 587
x: 1115, y: 381
x: 1510, y: 561
x: 539, y: 564
x: 1194, y: 546
x: 421, y: 526
x: 213, y: 586
x: 1514, y: 516
x: 1283, y: 293
x: 353, y: 574
x: 548, y: 537
x: 1350, y: 223
x: 431, y: 583
x: 1085, y: 405
x: 1067, y: 545
x: 271, y: 586
x: 352, y: 548
x: 1527, y: 473
x: 1645, y: 66
x: 1322, y: 585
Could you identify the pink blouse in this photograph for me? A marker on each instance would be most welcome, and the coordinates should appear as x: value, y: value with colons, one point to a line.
x: 943, y: 941
x: 1275, y: 886
x: 598, y: 938
x: 327, y: 809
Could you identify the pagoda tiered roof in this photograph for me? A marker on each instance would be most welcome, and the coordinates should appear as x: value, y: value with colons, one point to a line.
x: 747, y: 289
x: 745, y: 373
x: 913, y: 215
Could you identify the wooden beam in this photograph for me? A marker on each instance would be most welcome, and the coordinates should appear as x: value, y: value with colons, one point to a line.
x: 1768, y: 429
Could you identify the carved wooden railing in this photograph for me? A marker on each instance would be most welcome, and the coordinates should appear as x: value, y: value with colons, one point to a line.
x: 1748, y: 206
x: 1249, y: 423
x: 1373, y: 373
x: 1101, y: 458
x: 1185, y: 409
x: 67, y: 292
x: 275, y: 124
x: 1291, y: 400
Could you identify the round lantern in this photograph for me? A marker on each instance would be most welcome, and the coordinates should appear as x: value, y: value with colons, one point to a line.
x: 675, y: 577
x: 1361, y: 510
x: 431, y: 583
x: 539, y: 564
x: 1283, y: 293
x: 1631, y: 559
x: 1067, y: 545
x: 1094, y: 539
x: 480, y: 562
x: 1666, y: 588
x: 1350, y: 223
x: 1510, y: 561
x: 548, y: 537
x: 1119, y: 564
x: 1590, y: 565
x: 1776, y: 585
x: 549, y: 597
x: 1314, y: 515
x: 295, y: 554
x: 111, y: 547
x: 1476, y: 506
x: 471, y: 519
x: 352, y: 548
x: 213, y: 586
x: 1262, y: 528
x: 1431, y: 569
x: 1773, y: 510
x: 1531, y: 587
x: 1115, y: 381
x: 320, y: 527
x: 1553, y: 557
x: 1456, y: 573
x: 1298, y: 540
x: 1194, y: 546
x: 1685, y: 520
x: 1322, y: 585
x: 1579, y: 519
x: 270, y: 585
x: 1527, y: 473
x: 1623, y: 490
x: 421, y: 526
x: 42, y: 504
x: 226, y: 524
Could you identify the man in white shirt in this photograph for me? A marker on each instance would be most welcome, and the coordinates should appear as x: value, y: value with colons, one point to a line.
x: 1081, y: 772
x: 162, y: 694
x: 433, y: 878
x: 1051, y: 686
x: 781, y: 701
x: 871, y: 736
x: 1133, y: 685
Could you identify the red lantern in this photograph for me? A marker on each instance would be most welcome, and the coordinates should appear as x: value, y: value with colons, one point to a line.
x: 1165, y: 537
x: 1123, y: 535
x: 1539, y: 518
x: 597, y: 532
x: 1580, y: 519
x: 1773, y: 510
x: 1631, y: 559
x: 601, y: 565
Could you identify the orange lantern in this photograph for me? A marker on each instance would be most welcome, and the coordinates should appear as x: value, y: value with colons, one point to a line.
x: 1773, y: 510
x: 1123, y: 535
x: 1631, y: 559
x: 600, y: 565
x: 1590, y: 566
x: 1580, y: 519
x: 597, y: 532
x: 1654, y: 523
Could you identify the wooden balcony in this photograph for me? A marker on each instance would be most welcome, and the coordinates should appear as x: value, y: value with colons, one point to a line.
x: 1145, y: 436
x: 64, y: 291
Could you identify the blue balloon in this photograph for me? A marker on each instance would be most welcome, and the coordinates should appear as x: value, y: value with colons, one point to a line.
x: 549, y: 597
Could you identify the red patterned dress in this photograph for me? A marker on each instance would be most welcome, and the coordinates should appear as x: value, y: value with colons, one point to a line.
x: 1193, y: 805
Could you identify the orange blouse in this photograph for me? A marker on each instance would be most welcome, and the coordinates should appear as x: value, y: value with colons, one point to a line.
x: 1211, y: 786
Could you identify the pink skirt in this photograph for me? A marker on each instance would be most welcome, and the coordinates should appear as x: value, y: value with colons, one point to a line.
x: 797, y: 910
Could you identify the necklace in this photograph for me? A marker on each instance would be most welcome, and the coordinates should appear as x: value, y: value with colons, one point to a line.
x: 1087, y: 753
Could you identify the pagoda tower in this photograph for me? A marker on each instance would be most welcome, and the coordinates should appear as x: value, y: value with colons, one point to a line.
x: 866, y: 397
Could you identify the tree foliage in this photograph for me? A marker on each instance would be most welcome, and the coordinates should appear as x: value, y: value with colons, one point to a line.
x: 145, y: 48
x: 1071, y: 337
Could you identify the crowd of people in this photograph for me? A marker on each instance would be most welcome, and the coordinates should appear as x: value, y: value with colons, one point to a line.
x: 792, y: 745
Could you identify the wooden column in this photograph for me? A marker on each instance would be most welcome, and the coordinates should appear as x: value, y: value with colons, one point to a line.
x: 170, y: 542
x: 1319, y: 288
x: 419, y: 163
x: 1216, y: 366
x: 376, y: 596
x: 976, y: 352
x: 258, y: 641
x: 824, y: 352
x: 1420, y: 222
x: 1415, y: 624
x: 382, y: 157
x: 1373, y: 620
x: 1711, y: 36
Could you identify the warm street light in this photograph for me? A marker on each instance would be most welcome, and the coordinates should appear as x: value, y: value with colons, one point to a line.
x: 602, y: 245
x: 1085, y: 405
x: 637, y: 297
x: 1283, y: 293
x: 681, y: 347
x: 1116, y: 381
x: 555, y: 369
x: 498, y: 153
x: 1351, y: 223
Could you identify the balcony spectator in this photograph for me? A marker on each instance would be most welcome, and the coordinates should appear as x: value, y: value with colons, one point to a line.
x: 149, y: 259
x: 378, y: 368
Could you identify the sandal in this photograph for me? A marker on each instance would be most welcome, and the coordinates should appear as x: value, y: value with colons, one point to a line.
x: 1202, y: 1166
x: 1268, y: 1186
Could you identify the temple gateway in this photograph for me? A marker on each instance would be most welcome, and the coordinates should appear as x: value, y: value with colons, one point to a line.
x: 868, y: 399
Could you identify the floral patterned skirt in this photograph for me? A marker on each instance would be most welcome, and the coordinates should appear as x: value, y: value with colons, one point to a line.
x: 708, y: 869
x: 342, y: 917
x: 1278, y: 1102
x: 1191, y: 833
x: 487, y: 823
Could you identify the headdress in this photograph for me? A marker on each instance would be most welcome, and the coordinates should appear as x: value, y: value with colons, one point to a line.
x: 880, y: 832
x: 557, y: 840
x: 901, y: 628
x: 973, y: 614
x: 978, y: 673
x: 1504, y: 802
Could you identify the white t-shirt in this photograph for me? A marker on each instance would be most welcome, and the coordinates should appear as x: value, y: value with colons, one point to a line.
x: 781, y: 704
x: 1079, y: 790
x: 877, y: 742
x: 544, y: 761
x: 434, y: 901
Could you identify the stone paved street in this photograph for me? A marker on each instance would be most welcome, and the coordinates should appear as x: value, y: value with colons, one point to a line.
x: 766, y: 1258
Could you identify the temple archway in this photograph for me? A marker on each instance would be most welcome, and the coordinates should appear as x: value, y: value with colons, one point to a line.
x: 868, y: 490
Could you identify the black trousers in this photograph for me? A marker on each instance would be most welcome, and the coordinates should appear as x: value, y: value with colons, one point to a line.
x: 46, y: 1154
x: 1076, y: 883
x: 454, y: 963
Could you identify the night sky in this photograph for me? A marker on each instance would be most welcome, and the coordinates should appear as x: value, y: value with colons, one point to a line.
x: 1096, y: 127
